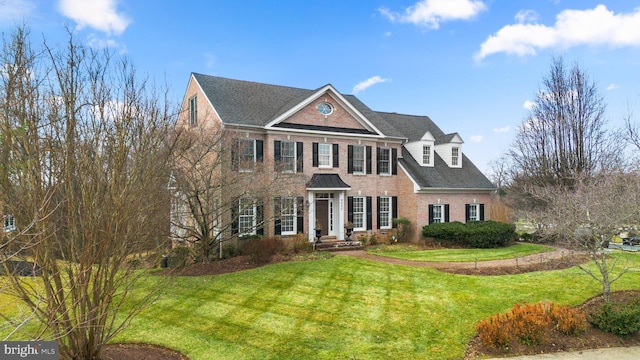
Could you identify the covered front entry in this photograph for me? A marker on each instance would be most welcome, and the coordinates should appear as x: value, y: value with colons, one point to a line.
x: 326, y: 199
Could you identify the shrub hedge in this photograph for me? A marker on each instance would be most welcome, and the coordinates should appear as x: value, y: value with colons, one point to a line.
x: 477, y: 234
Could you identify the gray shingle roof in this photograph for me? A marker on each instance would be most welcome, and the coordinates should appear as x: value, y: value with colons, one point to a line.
x: 327, y: 181
x: 444, y: 177
x: 256, y: 104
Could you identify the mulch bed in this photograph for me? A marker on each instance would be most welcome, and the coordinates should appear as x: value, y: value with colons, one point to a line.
x: 554, y: 264
x: 558, y: 342
x: 139, y: 352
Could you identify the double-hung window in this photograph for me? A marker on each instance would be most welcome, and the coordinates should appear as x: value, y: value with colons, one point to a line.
x: 324, y: 155
x: 288, y: 216
x: 246, y: 217
x: 193, y: 110
x: 288, y: 156
x: 359, y: 159
x: 9, y: 223
x: 438, y: 213
x: 426, y: 155
x: 359, y: 213
x: 246, y: 154
x: 455, y: 156
x: 384, y: 210
x: 474, y: 212
x: 384, y: 161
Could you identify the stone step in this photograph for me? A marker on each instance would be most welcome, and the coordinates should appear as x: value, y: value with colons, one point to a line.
x: 338, y: 245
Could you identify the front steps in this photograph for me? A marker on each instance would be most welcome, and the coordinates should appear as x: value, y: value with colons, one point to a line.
x: 332, y: 244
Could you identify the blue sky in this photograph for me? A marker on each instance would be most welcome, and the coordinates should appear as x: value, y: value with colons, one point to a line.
x: 471, y: 65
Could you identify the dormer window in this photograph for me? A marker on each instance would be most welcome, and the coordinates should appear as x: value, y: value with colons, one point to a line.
x: 426, y: 155
x: 455, y: 156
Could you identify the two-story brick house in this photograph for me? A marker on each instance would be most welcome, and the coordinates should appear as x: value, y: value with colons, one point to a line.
x: 358, y: 165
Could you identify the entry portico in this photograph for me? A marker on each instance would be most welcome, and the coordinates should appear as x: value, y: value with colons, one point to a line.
x: 326, y: 199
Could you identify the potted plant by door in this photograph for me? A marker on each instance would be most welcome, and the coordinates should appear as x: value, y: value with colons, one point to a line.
x: 349, y: 229
x: 318, y: 232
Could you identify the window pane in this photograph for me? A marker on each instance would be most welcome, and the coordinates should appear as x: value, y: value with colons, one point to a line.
x: 358, y: 212
x: 358, y: 159
x: 246, y: 218
x: 324, y: 155
x: 454, y: 156
x: 287, y: 215
x: 385, y: 212
x: 384, y: 161
x: 246, y: 154
x: 426, y: 154
x: 288, y: 156
x: 437, y: 213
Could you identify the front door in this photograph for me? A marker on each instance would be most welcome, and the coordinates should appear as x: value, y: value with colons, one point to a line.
x: 322, y: 215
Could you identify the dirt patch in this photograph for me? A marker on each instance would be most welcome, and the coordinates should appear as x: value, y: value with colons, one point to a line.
x: 551, y: 264
x: 139, y: 352
x: 558, y: 342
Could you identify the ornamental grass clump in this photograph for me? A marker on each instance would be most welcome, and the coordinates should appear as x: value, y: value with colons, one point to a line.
x: 529, y: 324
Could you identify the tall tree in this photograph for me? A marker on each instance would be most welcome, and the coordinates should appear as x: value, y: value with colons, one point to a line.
x: 85, y: 152
x: 565, y: 134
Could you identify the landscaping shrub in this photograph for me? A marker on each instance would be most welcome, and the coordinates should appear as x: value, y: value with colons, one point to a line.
x: 529, y: 324
x: 261, y: 250
x: 179, y: 257
x: 404, y: 230
x: 229, y: 251
x: 477, y: 234
x: 617, y: 318
x: 301, y: 244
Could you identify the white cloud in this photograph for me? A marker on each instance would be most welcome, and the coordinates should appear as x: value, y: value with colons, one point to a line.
x: 363, y: 85
x: 597, y: 26
x: 100, y: 15
x: 430, y: 13
x: 15, y: 11
x: 528, y: 104
x: 502, y: 129
x: 612, y: 87
x: 526, y: 16
x: 476, y: 138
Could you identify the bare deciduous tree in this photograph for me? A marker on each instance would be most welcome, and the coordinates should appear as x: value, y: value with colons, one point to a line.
x: 211, y: 194
x: 587, y: 216
x: 85, y: 150
x: 565, y: 134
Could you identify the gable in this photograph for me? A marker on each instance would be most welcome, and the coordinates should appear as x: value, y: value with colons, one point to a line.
x: 343, y: 117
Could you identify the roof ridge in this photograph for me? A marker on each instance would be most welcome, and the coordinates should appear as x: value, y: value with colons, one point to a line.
x: 254, y: 82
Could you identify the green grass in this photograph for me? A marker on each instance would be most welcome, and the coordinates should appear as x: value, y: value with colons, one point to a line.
x: 408, y: 252
x: 342, y: 308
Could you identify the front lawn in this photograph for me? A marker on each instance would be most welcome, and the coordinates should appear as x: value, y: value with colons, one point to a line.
x: 411, y: 252
x: 342, y: 308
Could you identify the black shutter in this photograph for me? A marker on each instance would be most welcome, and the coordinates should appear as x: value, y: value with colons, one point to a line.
x: 467, y: 211
x: 276, y: 215
x: 259, y: 217
x: 394, y: 161
x: 369, y: 213
x: 446, y: 212
x: 430, y: 214
x: 234, y: 216
x: 378, y: 212
x: 235, y: 144
x: 369, y: 170
x: 259, y: 153
x: 349, y: 159
x: 481, y: 212
x: 336, y: 160
x: 277, y: 156
x: 378, y: 160
x: 314, y: 149
x: 350, y: 209
x: 300, y: 219
x: 394, y: 211
x: 299, y: 161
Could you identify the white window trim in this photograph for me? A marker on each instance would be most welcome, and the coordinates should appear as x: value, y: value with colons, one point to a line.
x: 364, y: 160
x: 430, y: 155
x: 389, y: 212
x: 330, y: 165
x: 241, y: 155
x: 293, y: 214
x: 193, y: 110
x: 253, y: 217
x: 455, y: 159
x: 477, y: 210
x: 282, y: 157
x: 442, y: 216
x: 8, y: 223
x: 388, y: 161
x: 364, y: 213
